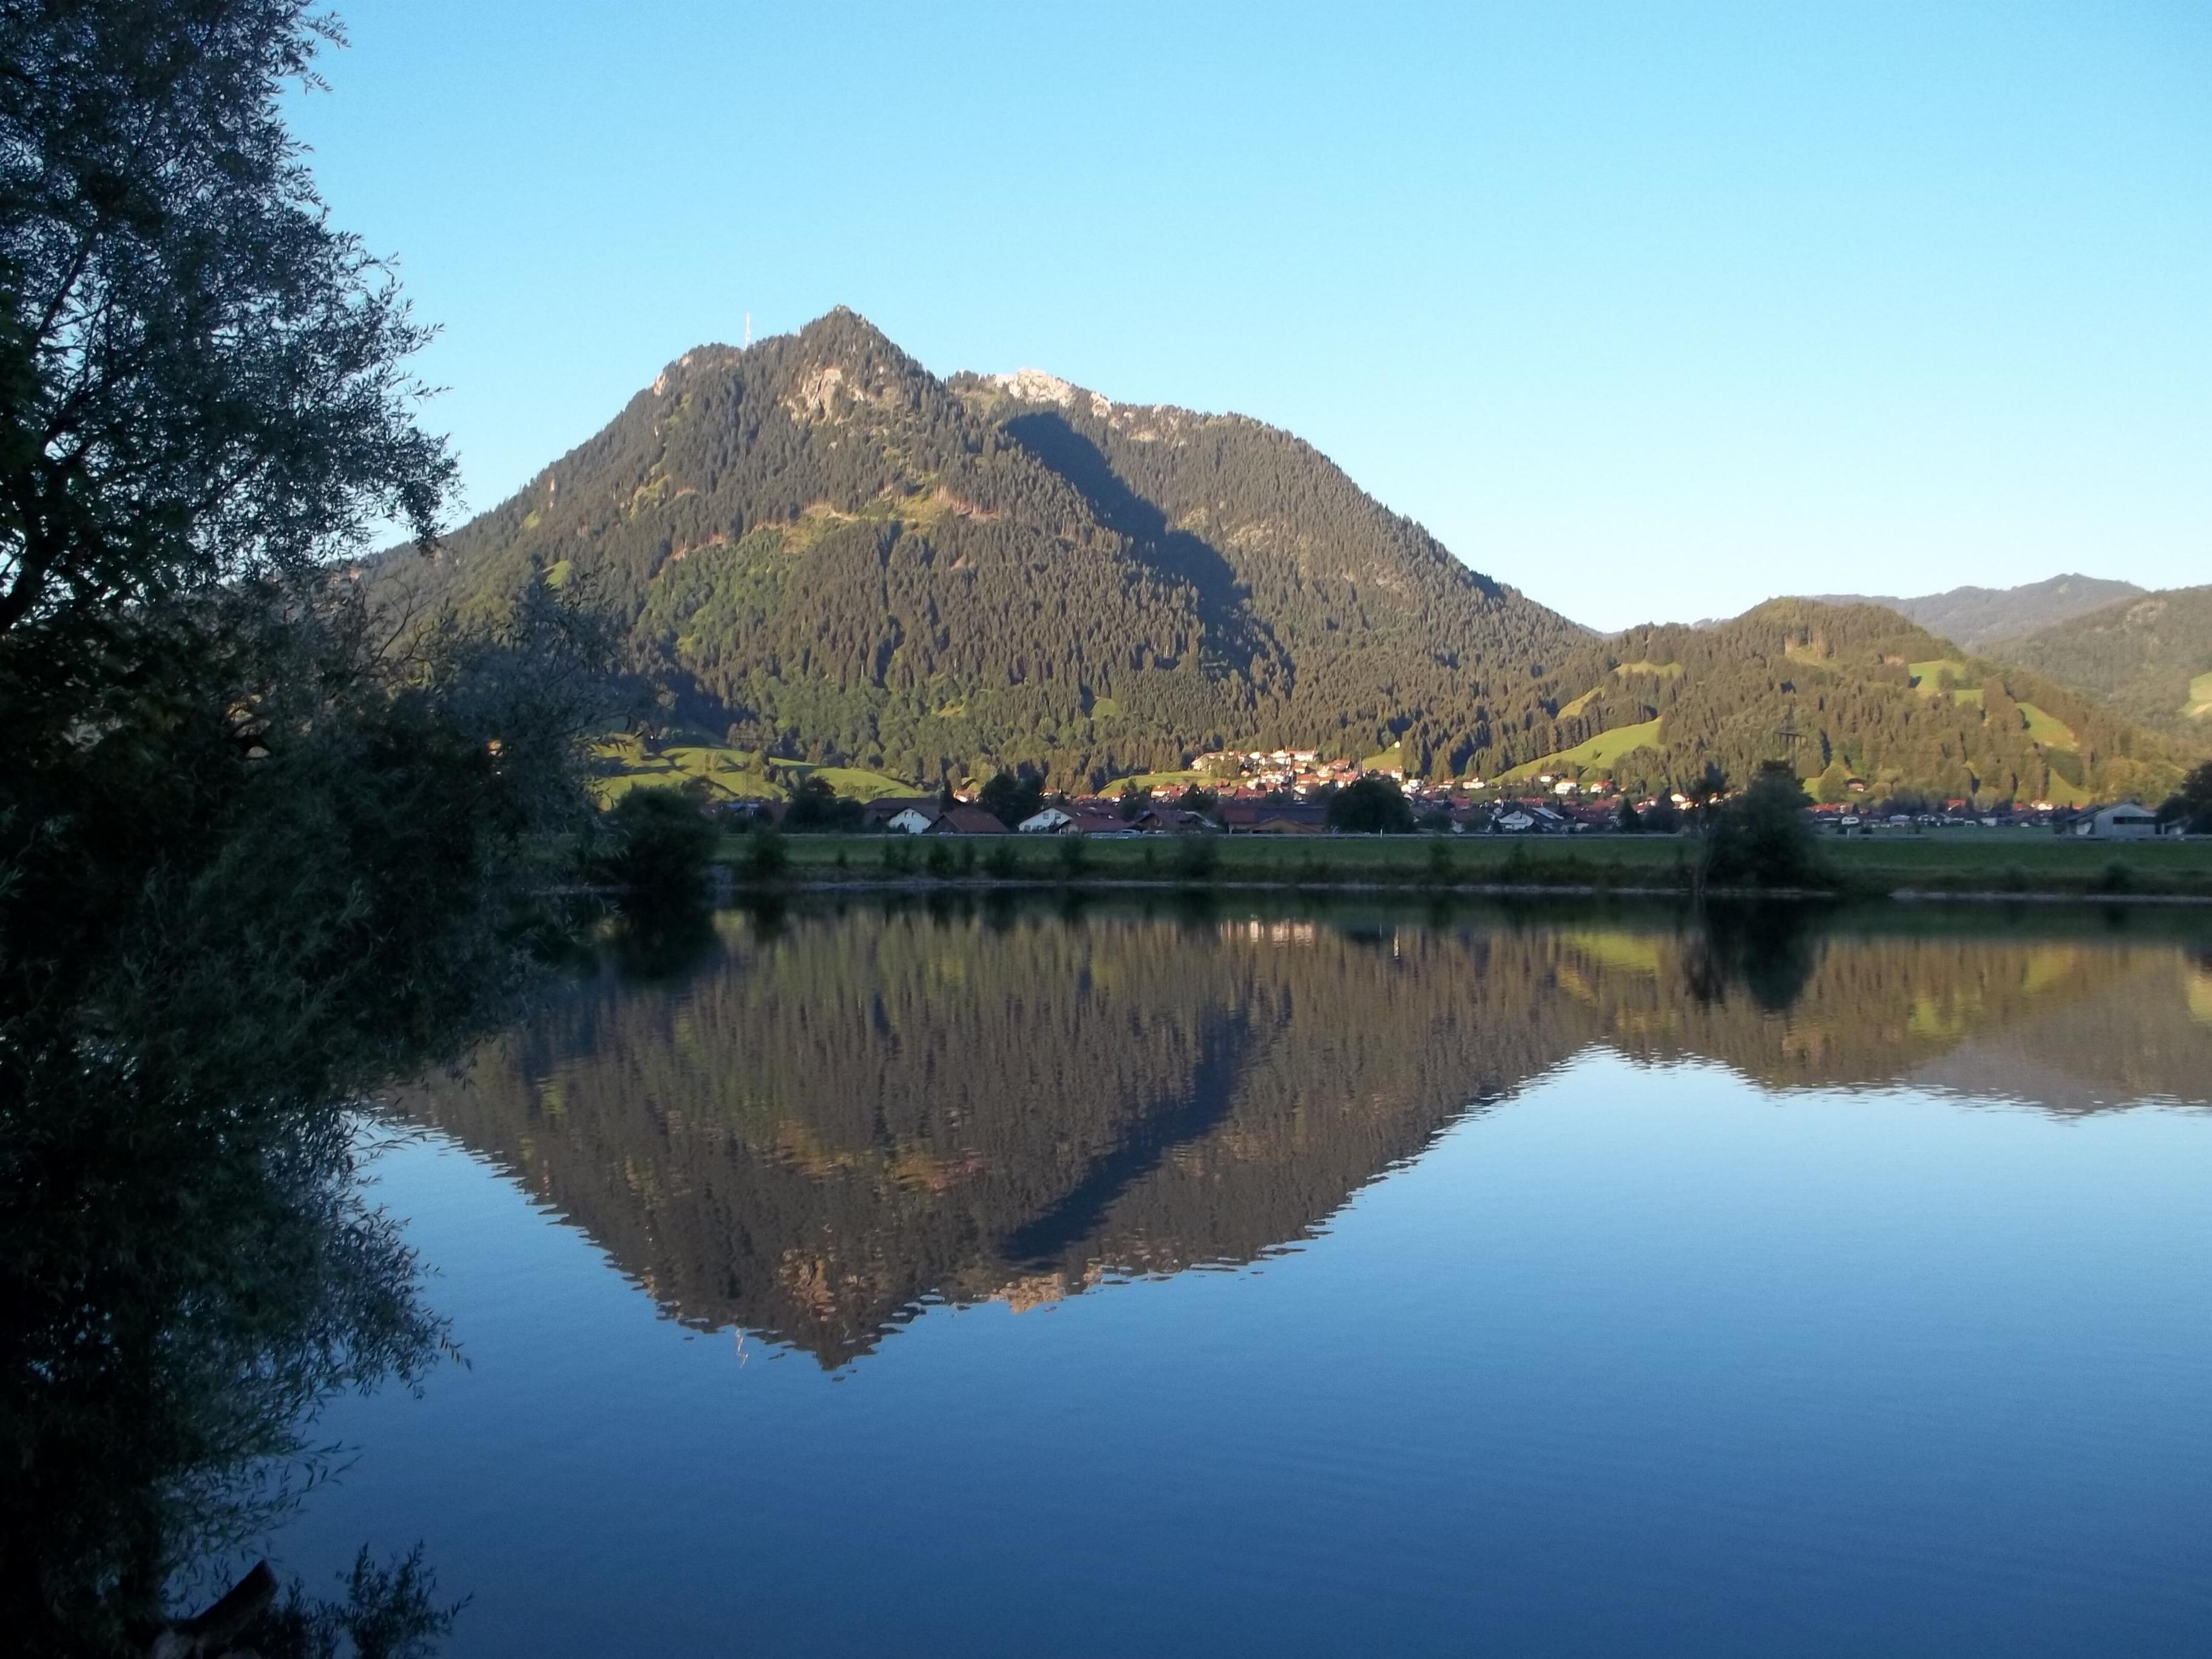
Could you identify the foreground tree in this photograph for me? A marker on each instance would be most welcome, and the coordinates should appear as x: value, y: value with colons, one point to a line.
x: 1010, y: 798
x: 1370, y: 805
x: 1763, y: 837
x: 2191, y: 805
x: 261, y: 848
x: 200, y: 380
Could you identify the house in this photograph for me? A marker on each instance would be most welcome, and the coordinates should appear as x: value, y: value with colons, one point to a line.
x: 880, y: 814
x: 1262, y: 817
x: 2126, y: 822
x: 1511, y: 822
x: 912, y: 820
x: 966, y: 821
x: 1049, y: 822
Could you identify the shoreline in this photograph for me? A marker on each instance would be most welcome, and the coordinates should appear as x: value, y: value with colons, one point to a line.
x: 925, y: 885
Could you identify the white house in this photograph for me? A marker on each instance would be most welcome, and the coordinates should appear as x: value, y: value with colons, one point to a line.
x: 911, y: 822
x: 2126, y: 822
x: 1513, y: 822
x: 1049, y: 821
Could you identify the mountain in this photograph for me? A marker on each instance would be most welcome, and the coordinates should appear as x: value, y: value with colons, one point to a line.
x: 2150, y: 658
x: 1976, y: 616
x: 814, y: 548
x: 1848, y: 693
x: 817, y: 548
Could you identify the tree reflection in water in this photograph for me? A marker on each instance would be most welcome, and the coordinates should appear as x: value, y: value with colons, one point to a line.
x: 173, y: 1321
x: 1769, y: 949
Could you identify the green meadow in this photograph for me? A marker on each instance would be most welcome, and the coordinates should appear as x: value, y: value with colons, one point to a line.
x: 1604, y: 749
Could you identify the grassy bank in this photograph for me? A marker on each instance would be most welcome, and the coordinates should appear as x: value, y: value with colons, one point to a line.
x: 1958, y: 862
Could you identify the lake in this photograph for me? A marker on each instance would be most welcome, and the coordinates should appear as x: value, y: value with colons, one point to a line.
x: 982, y: 1280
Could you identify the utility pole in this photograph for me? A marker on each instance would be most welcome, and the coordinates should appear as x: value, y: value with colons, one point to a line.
x: 1790, y: 736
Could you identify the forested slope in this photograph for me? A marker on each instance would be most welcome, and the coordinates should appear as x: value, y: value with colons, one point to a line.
x: 1353, y: 624
x: 1847, y: 692
x: 2150, y: 659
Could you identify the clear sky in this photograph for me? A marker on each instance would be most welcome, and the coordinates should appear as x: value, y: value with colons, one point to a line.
x: 1650, y: 310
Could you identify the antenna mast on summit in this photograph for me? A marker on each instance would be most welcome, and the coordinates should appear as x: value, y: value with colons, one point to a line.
x: 749, y: 330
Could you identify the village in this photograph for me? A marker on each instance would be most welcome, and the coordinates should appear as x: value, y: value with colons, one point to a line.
x: 1285, y: 792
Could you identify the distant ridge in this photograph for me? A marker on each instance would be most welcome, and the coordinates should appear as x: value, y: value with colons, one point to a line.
x: 1974, y: 617
x: 2149, y: 657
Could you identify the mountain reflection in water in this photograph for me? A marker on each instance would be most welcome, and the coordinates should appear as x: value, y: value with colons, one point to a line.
x: 834, y: 1120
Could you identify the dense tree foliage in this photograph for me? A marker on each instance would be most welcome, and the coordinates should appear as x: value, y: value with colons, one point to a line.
x: 2191, y: 805
x: 200, y: 378
x: 1370, y: 805
x: 1010, y: 798
x: 1763, y: 836
x: 263, y: 845
x: 815, y: 806
x: 658, y: 843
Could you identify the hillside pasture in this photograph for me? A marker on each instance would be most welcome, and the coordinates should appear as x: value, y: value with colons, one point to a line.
x: 2199, y: 706
x: 2047, y: 728
x: 1944, y: 674
x: 1392, y: 759
x: 1163, y: 782
x: 725, y: 774
x: 1604, y: 749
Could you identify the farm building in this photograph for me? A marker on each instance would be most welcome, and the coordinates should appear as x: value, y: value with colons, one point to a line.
x: 2126, y: 822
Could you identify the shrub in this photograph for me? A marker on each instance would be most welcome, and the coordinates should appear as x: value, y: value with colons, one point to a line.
x: 764, y: 852
x: 662, y: 841
x: 1765, y: 837
x: 1370, y: 805
x: 815, y: 806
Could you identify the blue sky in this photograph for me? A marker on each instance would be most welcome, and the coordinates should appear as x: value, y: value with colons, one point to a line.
x: 1650, y: 310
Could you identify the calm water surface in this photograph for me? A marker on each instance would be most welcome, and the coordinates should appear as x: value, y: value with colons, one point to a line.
x: 891, y: 1282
